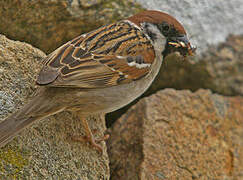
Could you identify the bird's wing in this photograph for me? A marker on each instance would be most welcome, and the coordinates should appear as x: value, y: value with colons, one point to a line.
x: 111, y: 55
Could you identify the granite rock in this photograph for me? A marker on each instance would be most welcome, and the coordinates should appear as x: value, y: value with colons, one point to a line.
x: 179, y: 135
x: 44, y: 151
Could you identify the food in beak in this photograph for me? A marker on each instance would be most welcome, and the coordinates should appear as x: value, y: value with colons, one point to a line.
x: 183, y: 48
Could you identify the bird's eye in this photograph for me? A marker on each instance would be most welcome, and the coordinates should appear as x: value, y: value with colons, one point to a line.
x: 165, y: 28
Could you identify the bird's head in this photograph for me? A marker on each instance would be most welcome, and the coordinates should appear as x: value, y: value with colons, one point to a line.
x: 166, y: 34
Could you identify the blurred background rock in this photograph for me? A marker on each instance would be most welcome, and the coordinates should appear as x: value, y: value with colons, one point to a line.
x: 47, y: 24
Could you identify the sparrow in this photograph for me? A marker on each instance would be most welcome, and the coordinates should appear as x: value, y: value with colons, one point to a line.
x: 101, y: 71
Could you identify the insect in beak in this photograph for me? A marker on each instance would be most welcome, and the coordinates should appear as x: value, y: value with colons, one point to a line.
x: 182, y: 45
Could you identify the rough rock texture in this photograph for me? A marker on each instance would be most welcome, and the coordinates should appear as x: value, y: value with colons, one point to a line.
x: 46, y: 150
x: 208, y: 22
x: 179, y: 135
x: 47, y: 24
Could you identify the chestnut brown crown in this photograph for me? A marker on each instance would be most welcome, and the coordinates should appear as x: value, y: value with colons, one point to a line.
x: 157, y: 17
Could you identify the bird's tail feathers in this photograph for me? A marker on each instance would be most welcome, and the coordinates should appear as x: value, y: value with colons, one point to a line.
x: 38, y: 108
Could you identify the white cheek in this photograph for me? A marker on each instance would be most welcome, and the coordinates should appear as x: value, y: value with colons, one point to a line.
x: 159, y: 44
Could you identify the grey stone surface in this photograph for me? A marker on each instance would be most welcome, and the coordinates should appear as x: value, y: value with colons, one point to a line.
x: 207, y: 21
x: 45, y: 150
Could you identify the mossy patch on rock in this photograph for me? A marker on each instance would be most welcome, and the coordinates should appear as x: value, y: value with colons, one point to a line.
x: 12, y: 162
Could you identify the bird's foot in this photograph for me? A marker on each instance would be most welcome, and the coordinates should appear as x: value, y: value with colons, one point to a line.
x: 93, y: 142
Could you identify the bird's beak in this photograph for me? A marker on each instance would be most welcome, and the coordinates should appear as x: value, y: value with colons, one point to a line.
x: 183, y: 45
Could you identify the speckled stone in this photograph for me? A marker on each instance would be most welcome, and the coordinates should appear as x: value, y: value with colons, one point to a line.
x: 179, y: 135
x: 44, y: 151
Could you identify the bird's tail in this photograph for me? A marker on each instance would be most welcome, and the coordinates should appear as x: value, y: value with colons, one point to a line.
x: 38, y: 108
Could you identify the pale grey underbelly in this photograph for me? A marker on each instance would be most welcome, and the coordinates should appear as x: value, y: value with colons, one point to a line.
x: 113, y: 98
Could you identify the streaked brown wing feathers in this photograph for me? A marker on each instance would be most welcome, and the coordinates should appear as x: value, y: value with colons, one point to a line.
x: 84, y: 62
